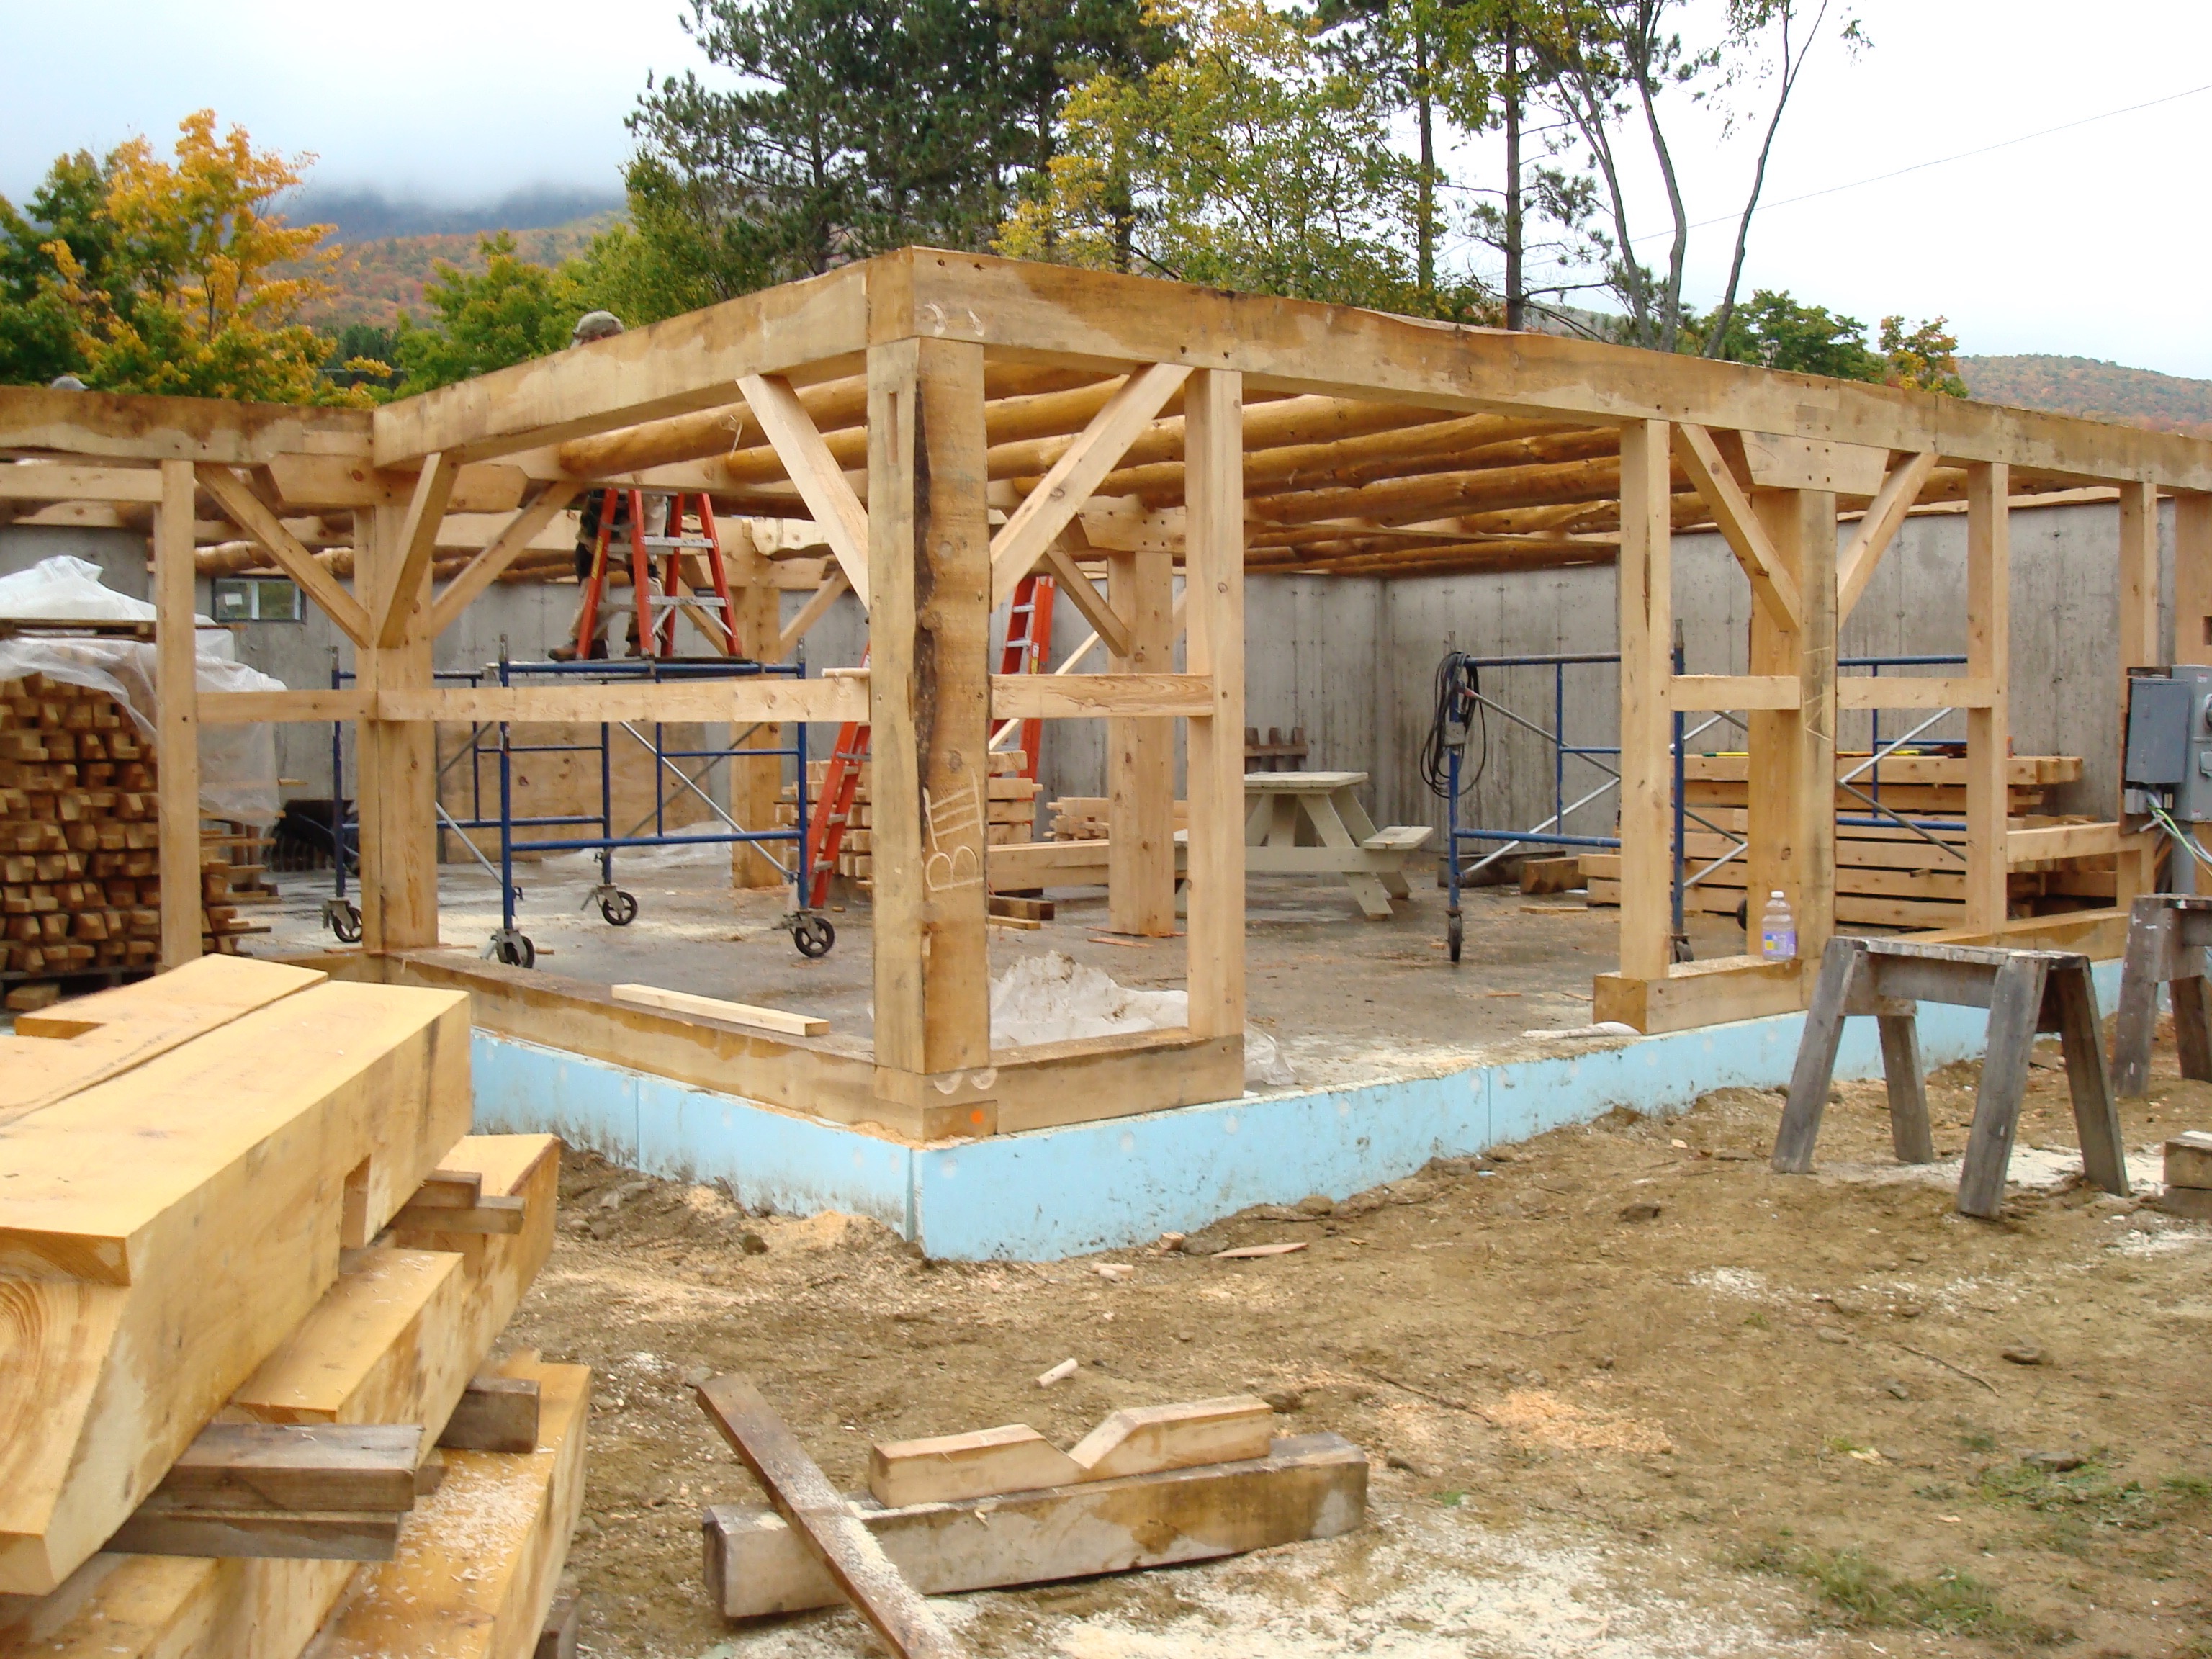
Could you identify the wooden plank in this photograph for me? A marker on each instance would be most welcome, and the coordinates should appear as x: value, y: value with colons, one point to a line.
x: 1774, y: 585
x: 494, y: 1414
x: 1910, y: 1137
x: 275, y: 1535
x: 280, y: 1131
x: 1646, y: 621
x: 110, y: 1032
x: 736, y: 1013
x: 1913, y: 691
x: 1145, y: 1439
x: 2015, y: 1000
x: 821, y: 482
x: 479, y: 1561
x: 347, y: 614
x: 1701, y: 692
x: 810, y: 613
x: 489, y: 1215
x: 1140, y: 807
x: 1311, y: 1486
x: 296, y: 1466
x: 949, y: 1468
x: 510, y: 545
x: 1842, y: 965
x: 823, y: 1522
x: 178, y: 738
x: 1989, y: 658
x: 1156, y: 696
x: 1213, y: 421
x: 1033, y: 526
x: 1081, y: 593
x: 2096, y: 1113
x: 1878, y: 528
x: 929, y: 705
x: 1710, y: 993
x: 2061, y: 841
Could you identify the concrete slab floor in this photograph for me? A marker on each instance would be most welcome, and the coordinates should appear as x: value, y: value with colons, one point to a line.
x: 1351, y: 1001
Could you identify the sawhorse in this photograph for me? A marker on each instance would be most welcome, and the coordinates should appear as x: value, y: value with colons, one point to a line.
x: 2166, y: 936
x: 2024, y: 991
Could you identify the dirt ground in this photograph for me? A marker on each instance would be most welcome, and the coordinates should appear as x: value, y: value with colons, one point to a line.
x: 1626, y: 1393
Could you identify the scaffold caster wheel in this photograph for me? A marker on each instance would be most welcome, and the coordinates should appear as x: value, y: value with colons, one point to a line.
x: 511, y: 946
x: 342, y: 920
x: 1679, y: 950
x: 812, y: 934
x: 1453, y: 934
x: 1743, y: 914
x: 620, y: 908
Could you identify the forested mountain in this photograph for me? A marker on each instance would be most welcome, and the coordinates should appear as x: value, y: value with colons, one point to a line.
x: 2085, y: 385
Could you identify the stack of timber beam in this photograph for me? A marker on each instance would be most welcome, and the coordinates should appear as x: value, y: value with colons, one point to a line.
x: 1083, y: 817
x: 80, y: 844
x: 1886, y: 875
x: 1009, y: 813
x: 246, y: 1406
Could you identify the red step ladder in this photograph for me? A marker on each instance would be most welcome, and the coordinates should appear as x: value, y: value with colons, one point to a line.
x: 690, y: 531
x: 1029, y: 636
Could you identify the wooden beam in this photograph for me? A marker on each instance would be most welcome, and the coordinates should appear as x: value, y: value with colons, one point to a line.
x: 277, y: 1534
x: 1097, y: 610
x: 2140, y: 644
x: 252, y: 708
x: 811, y: 613
x: 130, y: 426
x: 512, y: 543
x: 1213, y: 421
x: 1307, y: 1487
x: 929, y: 705
x: 734, y: 1013
x: 1913, y: 691
x: 1646, y: 600
x: 245, y: 509
x: 1141, y: 756
x: 301, y: 1467
x: 821, y: 482
x: 1739, y: 525
x: 177, y: 748
x: 2193, y: 579
x: 1090, y: 697
x: 418, y: 542
x: 62, y: 481
x: 1146, y: 1439
x: 396, y: 763
x: 947, y: 1468
x: 828, y: 1526
x: 1878, y: 528
x: 1702, y: 693
x: 495, y: 1414
x: 1034, y: 525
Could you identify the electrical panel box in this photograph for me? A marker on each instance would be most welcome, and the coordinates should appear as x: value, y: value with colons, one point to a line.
x: 2169, y: 743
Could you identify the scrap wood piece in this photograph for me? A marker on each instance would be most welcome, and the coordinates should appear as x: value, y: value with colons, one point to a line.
x: 495, y: 1414
x: 301, y: 1467
x: 1254, y: 1252
x: 479, y: 1564
x: 947, y: 1468
x: 284, y: 1535
x: 1307, y: 1487
x: 736, y: 1013
x: 1145, y: 1439
x: 828, y: 1527
x: 491, y: 1213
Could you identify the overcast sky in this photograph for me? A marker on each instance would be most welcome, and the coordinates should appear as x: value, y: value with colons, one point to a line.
x: 2088, y: 242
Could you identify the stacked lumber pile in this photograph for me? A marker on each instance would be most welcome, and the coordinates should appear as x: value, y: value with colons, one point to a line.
x: 1887, y: 876
x: 246, y: 1406
x: 1150, y: 1486
x: 1010, y: 816
x: 1083, y: 817
x: 80, y: 844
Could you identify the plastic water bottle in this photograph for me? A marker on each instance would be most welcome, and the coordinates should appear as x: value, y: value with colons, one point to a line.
x: 1777, y: 930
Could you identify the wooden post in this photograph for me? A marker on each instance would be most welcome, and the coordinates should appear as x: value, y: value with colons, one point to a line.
x: 1141, y: 756
x: 1989, y: 657
x: 929, y: 584
x: 1213, y: 570
x: 1790, y: 814
x: 754, y: 785
x: 398, y: 765
x: 177, y: 756
x: 1647, y: 774
x: 2193, y: 579
x: 2140, y: 647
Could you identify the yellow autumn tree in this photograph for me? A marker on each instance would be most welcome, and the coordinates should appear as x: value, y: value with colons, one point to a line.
x: 204, y: 282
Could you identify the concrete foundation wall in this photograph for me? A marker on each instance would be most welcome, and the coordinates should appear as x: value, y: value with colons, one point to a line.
x: 1354, y: 660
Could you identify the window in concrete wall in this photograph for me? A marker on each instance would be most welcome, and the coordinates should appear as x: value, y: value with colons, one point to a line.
x: 258, y: 598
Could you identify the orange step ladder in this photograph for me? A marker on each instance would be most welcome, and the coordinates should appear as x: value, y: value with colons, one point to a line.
x: 1029, y: 636
x: 690, y: 531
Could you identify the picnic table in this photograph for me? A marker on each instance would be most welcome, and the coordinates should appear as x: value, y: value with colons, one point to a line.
x: 1311, y: 823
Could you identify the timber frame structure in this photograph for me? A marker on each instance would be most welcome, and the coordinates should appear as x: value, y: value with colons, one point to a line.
x: 950, y: 423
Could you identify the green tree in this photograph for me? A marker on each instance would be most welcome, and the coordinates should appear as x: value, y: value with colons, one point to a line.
x: 508, y: 312
x: 1249, y: 160
x: 1775, y: 330
x: 38, y: 324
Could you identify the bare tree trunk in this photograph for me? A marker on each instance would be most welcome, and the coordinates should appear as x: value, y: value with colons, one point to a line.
x: 1726, y: 314
x: 1517, y: 299
x: 1425, y: 231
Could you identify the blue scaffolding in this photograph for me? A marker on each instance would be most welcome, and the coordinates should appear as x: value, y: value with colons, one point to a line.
x: 492, y: 747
